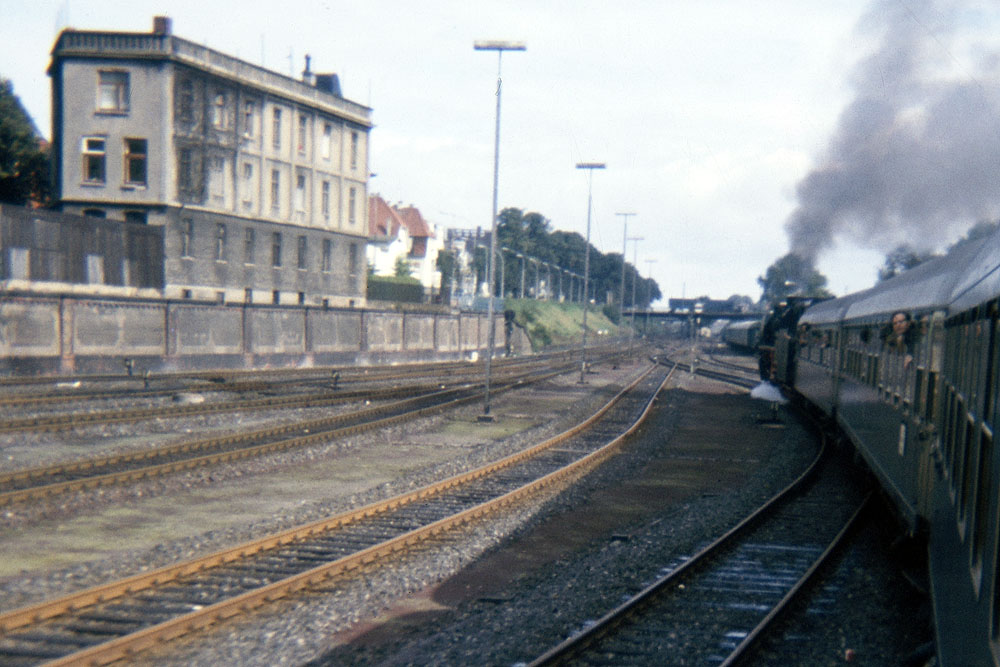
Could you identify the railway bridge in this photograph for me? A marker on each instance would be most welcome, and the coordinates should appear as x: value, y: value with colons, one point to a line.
x: 687, y: 313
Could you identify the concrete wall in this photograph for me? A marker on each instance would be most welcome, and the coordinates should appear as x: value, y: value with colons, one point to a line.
x: 29, y: 328
x: 447, y: 334
x: 67, y: 334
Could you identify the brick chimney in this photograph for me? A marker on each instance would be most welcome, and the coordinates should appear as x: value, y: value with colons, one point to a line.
x: 162, y: 25
x: 307, y: 74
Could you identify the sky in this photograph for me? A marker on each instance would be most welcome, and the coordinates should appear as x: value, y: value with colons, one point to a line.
x: 734, y: 131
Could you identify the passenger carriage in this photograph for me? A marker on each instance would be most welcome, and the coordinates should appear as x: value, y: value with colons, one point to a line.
x: 922, y: 412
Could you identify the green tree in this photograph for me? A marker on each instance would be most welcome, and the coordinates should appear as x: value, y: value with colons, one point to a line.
x: 448, y: 266
x: 479, y: 264
x: 24, y: 164
x: 902, y: 258
x: 740, y: 302
x: 531, y: 235
x: 402, y: 268
x: 792, y: 275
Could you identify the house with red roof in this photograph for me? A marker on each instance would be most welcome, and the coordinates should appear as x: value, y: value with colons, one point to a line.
x: 401, y: 233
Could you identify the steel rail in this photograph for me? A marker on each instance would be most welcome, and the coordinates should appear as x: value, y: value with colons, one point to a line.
x: 721, y: 376
x: 606, y: 623
x: 733, y: 365
x: 745, y: 647
x: 317, y: 430
x: 62, y: 420
x: 228, y: 375
x: 126, y: 646
x: 344, y: 376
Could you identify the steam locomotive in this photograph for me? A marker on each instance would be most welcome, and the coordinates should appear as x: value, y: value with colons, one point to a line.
x: 909, y: 371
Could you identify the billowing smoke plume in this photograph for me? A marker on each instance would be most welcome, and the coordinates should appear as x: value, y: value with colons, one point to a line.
x: 916, y: 156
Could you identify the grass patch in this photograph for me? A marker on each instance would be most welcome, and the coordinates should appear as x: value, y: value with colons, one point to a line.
x: 551, y: 323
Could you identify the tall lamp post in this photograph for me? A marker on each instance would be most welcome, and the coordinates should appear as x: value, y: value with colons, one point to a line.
x: 621, y: 298
x: 635, y: 263
x: 499, y: 46
x: 649, y: 291
x: 590, y: 167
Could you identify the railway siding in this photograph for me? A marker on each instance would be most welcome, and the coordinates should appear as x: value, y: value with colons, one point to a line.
x: 278, y: 564
x: 199, y: 511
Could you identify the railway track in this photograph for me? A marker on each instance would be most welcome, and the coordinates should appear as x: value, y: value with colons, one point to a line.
x: 75, y: 385
x: 290, y: 392
x: 713, y: 606
x: 732, y: 365
x: 738, y: 379
x: 122, y: 468
x: 113, y: 621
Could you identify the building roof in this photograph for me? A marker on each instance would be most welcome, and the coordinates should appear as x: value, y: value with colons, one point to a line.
x: 415, y: 223
x: 320, y: 91
x: 383, y: 220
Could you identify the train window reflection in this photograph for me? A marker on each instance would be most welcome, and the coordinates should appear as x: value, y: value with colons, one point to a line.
x: 965, y: 486
x: 984, y: 492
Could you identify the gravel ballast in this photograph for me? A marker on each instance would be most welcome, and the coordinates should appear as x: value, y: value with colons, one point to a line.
x: 502, y: 593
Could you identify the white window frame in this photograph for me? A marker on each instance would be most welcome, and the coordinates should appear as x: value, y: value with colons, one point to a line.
x: 300, y: 193
x: 247, y: 186
x: 113, y: 91
x: 325, y: 199
x: 217, y: 181
x: 220, y: 115
x: 249, y: 113
x: 90, y: 150
x: 326, y: 146
x: 275, y: 190
x: 276, y: 129
x: 303, y: 134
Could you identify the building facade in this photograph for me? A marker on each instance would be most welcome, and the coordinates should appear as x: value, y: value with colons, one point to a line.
x: 259, y: 180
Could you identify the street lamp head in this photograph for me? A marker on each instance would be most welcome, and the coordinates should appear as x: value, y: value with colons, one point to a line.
x: 590, y: 165
x: 498, y: 45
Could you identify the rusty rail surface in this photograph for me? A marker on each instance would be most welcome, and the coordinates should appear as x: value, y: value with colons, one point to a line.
x: 318, y: 430
x: 63, y: 420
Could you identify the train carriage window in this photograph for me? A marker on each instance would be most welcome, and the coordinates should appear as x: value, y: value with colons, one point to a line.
x: 971, y: 367
x: 984, y: 493
x: 918, y: 392
x: 929, y: 404
x: 991, y: 399
x: 982, y: 368
x: 963, y: 355
x: 965, y: 484
x: 995, y: 633
x: 948, y: 437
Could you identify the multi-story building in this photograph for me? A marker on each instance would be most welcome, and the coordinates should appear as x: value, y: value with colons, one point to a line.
x: 258, y: 179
